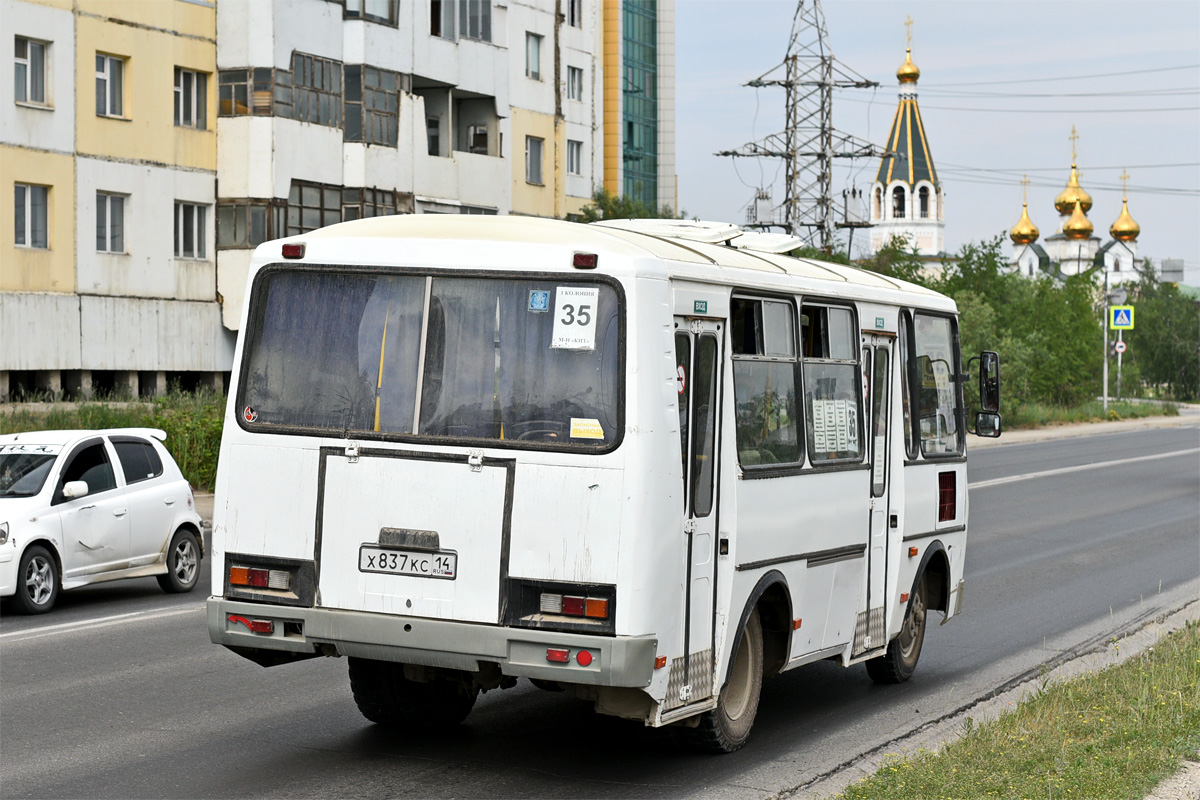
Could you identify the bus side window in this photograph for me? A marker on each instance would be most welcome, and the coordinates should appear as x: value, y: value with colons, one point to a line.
x: 832, y: 385
x: 910, y: 438
x: 683, y: 365
x: 763, y: 337
x: 704, y: 424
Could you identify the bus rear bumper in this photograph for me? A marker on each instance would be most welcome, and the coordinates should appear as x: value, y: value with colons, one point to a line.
x: 626, y: 661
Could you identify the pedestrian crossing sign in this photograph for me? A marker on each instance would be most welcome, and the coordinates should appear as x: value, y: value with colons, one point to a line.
x: 1120, y: 318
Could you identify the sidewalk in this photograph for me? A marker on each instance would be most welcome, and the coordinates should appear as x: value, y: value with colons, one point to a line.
x: 1189, y: 416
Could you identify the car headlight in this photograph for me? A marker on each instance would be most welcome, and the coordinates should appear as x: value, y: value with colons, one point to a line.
x: 3, y: 533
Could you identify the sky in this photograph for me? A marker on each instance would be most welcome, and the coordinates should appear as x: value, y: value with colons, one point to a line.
x: 1001, y: 85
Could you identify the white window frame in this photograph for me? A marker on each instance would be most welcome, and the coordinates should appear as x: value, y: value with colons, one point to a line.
x: 533, y: 56
x: 574, y: 83
x: 575, y: 13
x: 106, y: 241
x: 24, y: 211
x: 574, y: 157
x: 534, y: 150
x: 191, y: 101
x: 105, y: 75
x: 198, y: 225
x: 28, y: 62
x: 475, y: 20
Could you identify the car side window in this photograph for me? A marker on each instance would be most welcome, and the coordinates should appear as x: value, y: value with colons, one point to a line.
x: 139, y: 460
x: 90, y: 465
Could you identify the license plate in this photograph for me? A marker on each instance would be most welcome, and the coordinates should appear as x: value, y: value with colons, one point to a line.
x: 414, y: 563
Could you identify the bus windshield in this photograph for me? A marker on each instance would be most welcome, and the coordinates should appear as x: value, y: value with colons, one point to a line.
x: 530, y: 360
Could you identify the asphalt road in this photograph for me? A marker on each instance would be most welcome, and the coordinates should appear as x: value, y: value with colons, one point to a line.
x: 118, y: 692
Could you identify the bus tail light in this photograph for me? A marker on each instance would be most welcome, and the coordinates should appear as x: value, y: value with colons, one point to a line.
x: 558, y: 655
x: 293, y: 251
x: 260, y: 578
x: 254, y: 625
x: 573, y: 605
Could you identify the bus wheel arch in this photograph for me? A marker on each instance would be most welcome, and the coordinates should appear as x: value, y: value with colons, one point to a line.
x: 936, y: 565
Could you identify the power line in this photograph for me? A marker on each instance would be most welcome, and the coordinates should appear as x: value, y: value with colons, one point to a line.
x: 1071, y: 77
x: 1050, y: 110
x: 1179, y: 91
x: 1023, y: 170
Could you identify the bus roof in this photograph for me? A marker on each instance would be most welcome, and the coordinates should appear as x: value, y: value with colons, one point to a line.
x: 635, y: 239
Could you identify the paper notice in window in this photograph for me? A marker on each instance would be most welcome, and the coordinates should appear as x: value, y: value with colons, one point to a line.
x: 586, y: 428
x: 820, y: 443
x: 841, y: 424
x: 574, y: 318
x: 880, y: 459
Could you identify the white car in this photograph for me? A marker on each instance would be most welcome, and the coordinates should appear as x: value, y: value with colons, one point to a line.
x: 82, y: 507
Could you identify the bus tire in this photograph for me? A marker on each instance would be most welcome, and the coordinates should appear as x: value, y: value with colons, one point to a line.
x: 384, y: 696
x: 727, y: 727
x: 899, y: 662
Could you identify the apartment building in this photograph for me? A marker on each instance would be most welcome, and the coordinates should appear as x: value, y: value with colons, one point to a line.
x: 108, y: 165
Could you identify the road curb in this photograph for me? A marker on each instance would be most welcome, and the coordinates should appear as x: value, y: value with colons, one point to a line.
x: 932, y: 736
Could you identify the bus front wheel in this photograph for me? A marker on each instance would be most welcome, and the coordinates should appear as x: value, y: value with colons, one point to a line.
x: 727, y: 727
x: 900, y: 661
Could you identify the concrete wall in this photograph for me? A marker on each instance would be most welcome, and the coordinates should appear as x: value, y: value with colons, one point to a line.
x: 54, y: 318
x: 32, y: 125
x: 27, y: 269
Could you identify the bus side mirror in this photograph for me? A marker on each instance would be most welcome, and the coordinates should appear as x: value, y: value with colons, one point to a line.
x: 989, y: 382
x: 987, y: 424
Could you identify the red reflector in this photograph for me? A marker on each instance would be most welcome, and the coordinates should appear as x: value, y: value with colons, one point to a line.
x: 255, y: 625
x: 912, y: 551
x: 904, y: 597
x: 796, y: 624
x: 574, y: 606
x: 660, y: 662
x: 586, y: 260
x: 584, y: 658
x: 558, y: 656
x: 258, y: 577
x: 293, y: 251
x: 946, y: 498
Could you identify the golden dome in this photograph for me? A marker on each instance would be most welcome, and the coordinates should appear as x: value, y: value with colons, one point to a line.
x: 1078, y: 226
x: 1024, y: 232
x: 1066, y: 199
x: 1125, y: 229
x: 908, y: 72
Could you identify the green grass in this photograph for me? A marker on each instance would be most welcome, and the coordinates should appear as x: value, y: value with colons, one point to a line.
x: 1111, y: 734
x: 1036, y: 415
x: 192, y: 421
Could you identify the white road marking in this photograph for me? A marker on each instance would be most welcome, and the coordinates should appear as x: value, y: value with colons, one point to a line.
x: 92, y: 624
x: 1064, y: 470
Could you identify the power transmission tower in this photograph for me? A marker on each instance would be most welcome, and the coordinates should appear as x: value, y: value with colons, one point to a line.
x: 809, y: 144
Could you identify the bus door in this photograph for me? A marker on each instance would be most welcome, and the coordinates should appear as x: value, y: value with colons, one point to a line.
x: 698, y: 375
x: 877, y: 372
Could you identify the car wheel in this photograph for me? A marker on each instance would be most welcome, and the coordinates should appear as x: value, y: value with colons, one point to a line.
x: 384, y: 696
x: 37, y: 581
x: 899, y: 662
x: 183, y: 563
x: 727, y: 727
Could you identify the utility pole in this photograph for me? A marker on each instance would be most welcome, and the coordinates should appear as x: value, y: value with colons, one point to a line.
x: 809, y: 143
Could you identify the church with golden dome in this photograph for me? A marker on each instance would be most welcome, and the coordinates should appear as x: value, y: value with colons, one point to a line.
x: 1075, y: 248
x: 906, y: 197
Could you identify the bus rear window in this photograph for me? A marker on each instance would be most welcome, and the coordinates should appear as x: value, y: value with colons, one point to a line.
x: 519, y: 360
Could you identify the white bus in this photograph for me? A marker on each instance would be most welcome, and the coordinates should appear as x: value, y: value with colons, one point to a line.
x: 650, y: 463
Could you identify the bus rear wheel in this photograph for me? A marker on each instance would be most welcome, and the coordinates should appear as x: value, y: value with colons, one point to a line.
x: 727, y: 727
x: 386, y: 697
x: 899, y: 662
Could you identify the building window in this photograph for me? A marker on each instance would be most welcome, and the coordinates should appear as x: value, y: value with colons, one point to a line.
x: 30, y: 77
x: 574, y: 83
x: 362, y: 203
x: 312, y: 206
x: 441, y: 18
x: 433, y: 128
x: 898, y: 203
x: 242, y: 92
x: 533, y: 160
x: 246, y: 223
x: 372, y: 105
x: 32, y: 214
x: 923, y: 199
x: 373, y: 10
x: 110, y: 223
x: 574, y: 157
x: 533, y: 56
x: 191, y: 99
x: 110, y: 79
x: 189, y: 230
x: 475, y: 19
x: 316, y: 90
x: 575, y: 13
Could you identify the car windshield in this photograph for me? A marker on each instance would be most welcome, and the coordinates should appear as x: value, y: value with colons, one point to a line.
x: 531, y: 360
x: 24, y: 467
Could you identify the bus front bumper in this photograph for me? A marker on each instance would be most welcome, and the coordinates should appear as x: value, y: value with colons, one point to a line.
x: 521, y: 652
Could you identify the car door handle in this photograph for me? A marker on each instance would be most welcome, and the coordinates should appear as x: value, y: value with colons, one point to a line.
x: 85, y: 508
x: 119, y: 512
x: 169, y: 501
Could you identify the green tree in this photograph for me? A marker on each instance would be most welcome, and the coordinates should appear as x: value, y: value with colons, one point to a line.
x: 1165, y: 345
x: 606, y: 205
